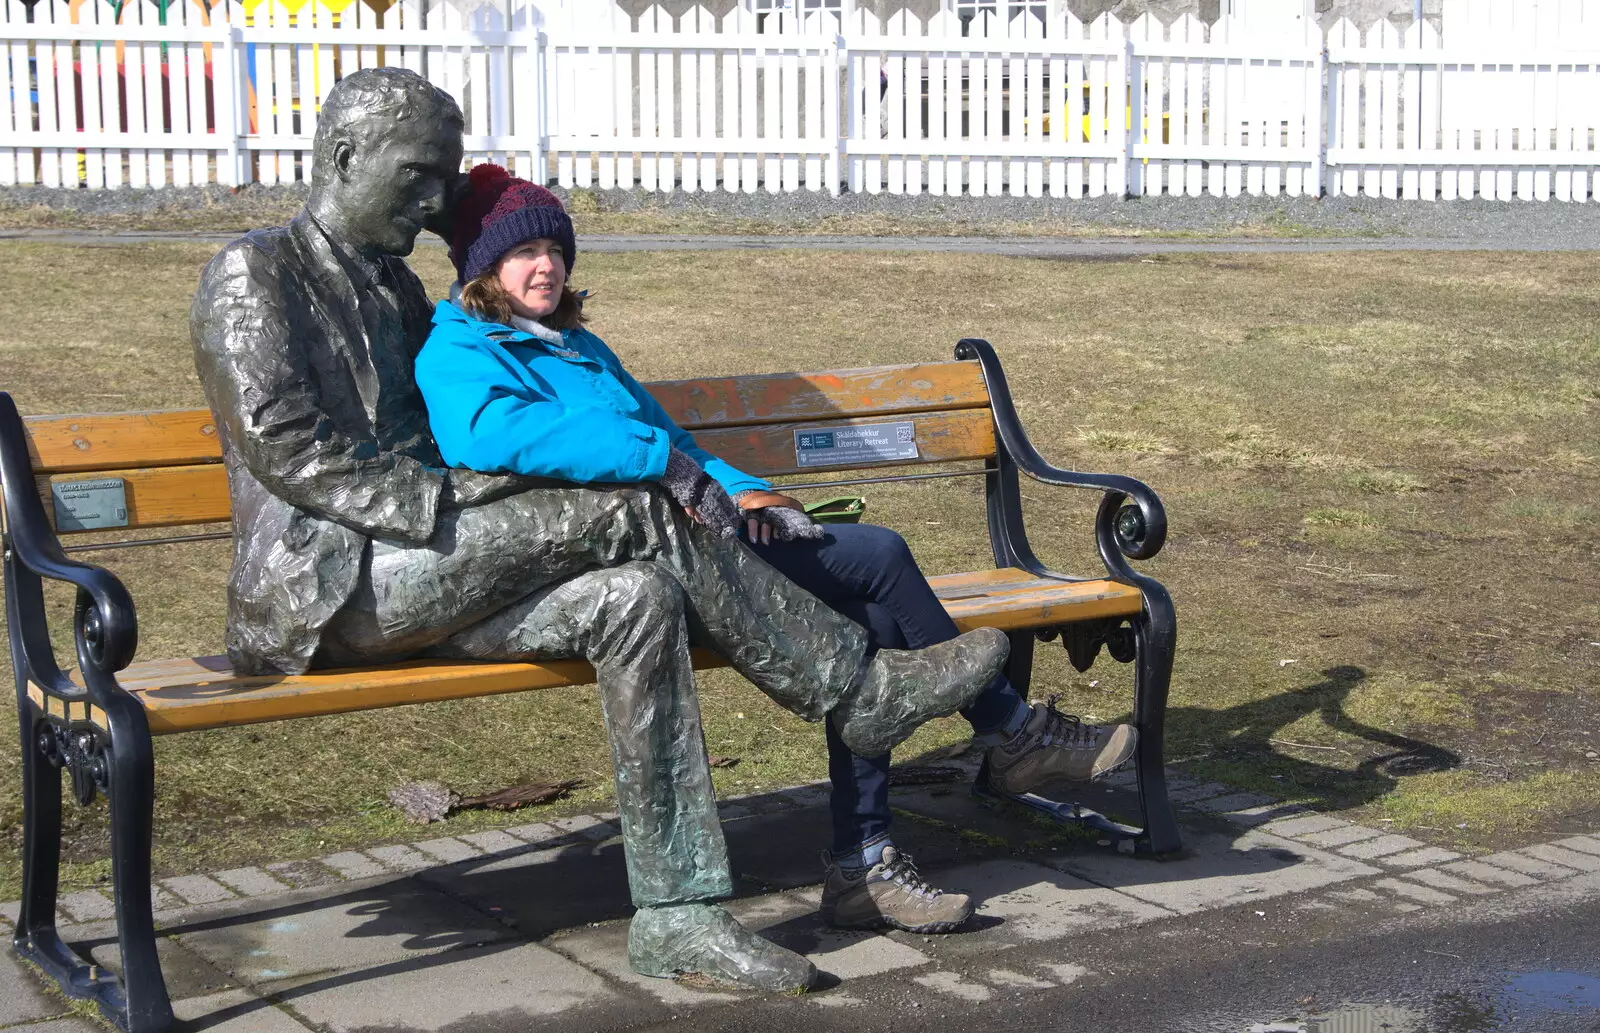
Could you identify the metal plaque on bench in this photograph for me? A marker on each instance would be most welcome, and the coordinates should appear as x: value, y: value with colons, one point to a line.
x: 90, y: 505
x: 853, y: 446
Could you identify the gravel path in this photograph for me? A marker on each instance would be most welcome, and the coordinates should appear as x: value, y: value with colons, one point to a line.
x: 1061, y: 248
x: 1036, y: 226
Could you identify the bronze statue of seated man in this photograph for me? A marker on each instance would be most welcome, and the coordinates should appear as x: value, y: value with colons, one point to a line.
x: 355, y: 545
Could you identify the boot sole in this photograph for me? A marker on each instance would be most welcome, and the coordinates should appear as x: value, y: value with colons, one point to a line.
x: 1060, y: 780
x: 718, y: 980
x: 1133, y: 754
x: 890, y: 922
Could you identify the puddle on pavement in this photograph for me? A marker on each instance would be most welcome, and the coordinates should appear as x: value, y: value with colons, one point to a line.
x: 1552, y: 991
x: 1521, y: 996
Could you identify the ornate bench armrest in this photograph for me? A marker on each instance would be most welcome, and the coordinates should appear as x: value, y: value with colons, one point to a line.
x: 105, y: 625
x: 1131, y: 522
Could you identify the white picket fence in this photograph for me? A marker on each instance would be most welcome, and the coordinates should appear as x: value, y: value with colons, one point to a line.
x: 987, y: 97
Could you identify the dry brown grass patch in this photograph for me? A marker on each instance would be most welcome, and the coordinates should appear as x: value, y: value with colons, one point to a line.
x: 1452, y: 498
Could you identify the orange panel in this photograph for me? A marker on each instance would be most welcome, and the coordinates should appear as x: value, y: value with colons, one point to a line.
x: 768, y: 451
x: 180, y: 437
x: 883, y: 390
x: 69, y: 444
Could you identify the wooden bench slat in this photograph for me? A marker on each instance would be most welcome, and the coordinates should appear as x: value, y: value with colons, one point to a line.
x: 1044, y: 604
x: 160, y: 496
x: 1004, y: 575
x: 768, y: 451
x: 166, y: 496
x: 219, y: 703
x: 190, y: 694
x: 184, y: 437
x: 114, y: 441
x: 794, y: 397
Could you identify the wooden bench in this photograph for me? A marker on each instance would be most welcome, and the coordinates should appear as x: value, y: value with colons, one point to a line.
x: 97, y: 722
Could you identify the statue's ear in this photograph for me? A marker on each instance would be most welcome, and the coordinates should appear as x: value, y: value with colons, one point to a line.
x: 344, y: 152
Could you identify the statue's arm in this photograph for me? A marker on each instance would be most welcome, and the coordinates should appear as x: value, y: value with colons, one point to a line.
x: 473, y: 488
x: 272, y: 409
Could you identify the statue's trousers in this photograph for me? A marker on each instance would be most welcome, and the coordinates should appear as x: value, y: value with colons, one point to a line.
x: 622, y: 578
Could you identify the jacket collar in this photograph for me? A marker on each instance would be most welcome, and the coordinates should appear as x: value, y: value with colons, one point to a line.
x: 557, y: 342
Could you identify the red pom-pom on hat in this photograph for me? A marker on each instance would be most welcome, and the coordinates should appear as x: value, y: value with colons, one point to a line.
x: 482, y: 175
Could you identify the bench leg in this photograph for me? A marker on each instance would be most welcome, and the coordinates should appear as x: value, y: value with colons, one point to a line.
x: 1155, y: 636
x: 131, y: 787
x: 36, y: 937
x: 138, y: 1002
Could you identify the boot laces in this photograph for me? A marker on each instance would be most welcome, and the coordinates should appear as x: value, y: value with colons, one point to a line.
x: 1068, y: 730
x: 903, y: 873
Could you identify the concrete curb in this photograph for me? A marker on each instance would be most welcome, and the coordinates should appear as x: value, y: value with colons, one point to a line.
x: 1249, y: 854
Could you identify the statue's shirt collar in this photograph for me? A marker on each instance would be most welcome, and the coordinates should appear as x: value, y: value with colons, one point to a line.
x: 363, y: 271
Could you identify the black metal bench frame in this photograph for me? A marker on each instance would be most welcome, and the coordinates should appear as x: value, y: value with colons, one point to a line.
x: 119, y: 760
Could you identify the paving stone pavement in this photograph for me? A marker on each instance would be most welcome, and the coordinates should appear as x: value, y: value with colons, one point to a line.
x: 527, y: 927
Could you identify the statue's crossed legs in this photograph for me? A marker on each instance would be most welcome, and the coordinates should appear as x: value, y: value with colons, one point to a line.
x: 625, y: 579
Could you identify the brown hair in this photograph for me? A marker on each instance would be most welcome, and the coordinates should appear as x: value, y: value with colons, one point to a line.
x: 486, y: 298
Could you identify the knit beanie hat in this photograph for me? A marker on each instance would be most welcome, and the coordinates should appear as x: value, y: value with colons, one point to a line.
x: 501, y: 211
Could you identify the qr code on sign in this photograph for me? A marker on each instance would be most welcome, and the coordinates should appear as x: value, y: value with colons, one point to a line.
x: 905, y: 433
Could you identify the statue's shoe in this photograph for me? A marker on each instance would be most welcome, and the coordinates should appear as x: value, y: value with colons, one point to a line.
x: 904, y: 688
x: 706, y: 940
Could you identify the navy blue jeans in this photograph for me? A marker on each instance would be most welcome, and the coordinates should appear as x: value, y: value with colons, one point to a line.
x: 868, y: 574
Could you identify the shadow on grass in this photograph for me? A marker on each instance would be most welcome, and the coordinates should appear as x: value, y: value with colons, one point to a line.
x: 1249, y: 749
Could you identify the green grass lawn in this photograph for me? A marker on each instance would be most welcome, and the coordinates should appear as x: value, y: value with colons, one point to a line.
x: 1380, y: 469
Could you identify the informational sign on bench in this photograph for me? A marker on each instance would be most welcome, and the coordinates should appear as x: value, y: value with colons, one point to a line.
x: 90, y: 505
x: 853, y: 446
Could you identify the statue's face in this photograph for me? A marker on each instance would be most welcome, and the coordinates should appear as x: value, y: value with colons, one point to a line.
x: 393, y: 182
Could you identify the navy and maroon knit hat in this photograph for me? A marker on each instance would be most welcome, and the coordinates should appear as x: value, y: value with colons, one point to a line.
x: 501, y: 211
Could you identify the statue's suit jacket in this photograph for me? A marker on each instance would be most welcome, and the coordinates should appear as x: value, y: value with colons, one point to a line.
x: 324, y: 433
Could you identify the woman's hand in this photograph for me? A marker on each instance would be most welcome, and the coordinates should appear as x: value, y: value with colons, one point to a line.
x: 763, y: 499
x: 699, y: 495
x: 769, y: 515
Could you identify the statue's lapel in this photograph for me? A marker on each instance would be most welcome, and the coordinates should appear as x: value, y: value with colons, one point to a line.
x: 335, y: 297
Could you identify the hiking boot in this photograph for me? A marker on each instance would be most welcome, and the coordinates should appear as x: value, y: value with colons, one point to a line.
x: 905, y: 688
x: 890, y: 893
x: 705, y: 940
x: 1053, y: 746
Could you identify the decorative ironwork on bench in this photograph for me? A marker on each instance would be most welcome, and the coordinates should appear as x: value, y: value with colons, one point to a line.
x: 85, y: 756
x: 1083, y: 640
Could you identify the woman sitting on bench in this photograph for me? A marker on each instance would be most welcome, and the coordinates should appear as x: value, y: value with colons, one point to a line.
x: 514, y: 383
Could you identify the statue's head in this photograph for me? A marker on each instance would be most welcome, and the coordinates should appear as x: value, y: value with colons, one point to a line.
x: 387, y: 149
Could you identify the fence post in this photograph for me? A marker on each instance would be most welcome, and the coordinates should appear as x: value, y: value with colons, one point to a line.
x: 1325, y: 76
x: 1133, y: 122
x: 539, y: 145
x: 833, y: 168
x: 852, y: 91
x: 227, y: 85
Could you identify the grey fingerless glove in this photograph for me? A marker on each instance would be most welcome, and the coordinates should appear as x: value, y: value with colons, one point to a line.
x: 694, y: 489
x: 787, y: 524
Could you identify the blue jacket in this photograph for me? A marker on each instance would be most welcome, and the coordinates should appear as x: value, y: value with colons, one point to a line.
x: 501, y: 400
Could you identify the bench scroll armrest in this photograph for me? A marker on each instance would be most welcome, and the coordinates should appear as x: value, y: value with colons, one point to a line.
x: 1131, y: 522
x: 105, y: 626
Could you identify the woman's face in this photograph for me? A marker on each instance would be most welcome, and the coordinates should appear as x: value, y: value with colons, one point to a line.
x: 533, y: 274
